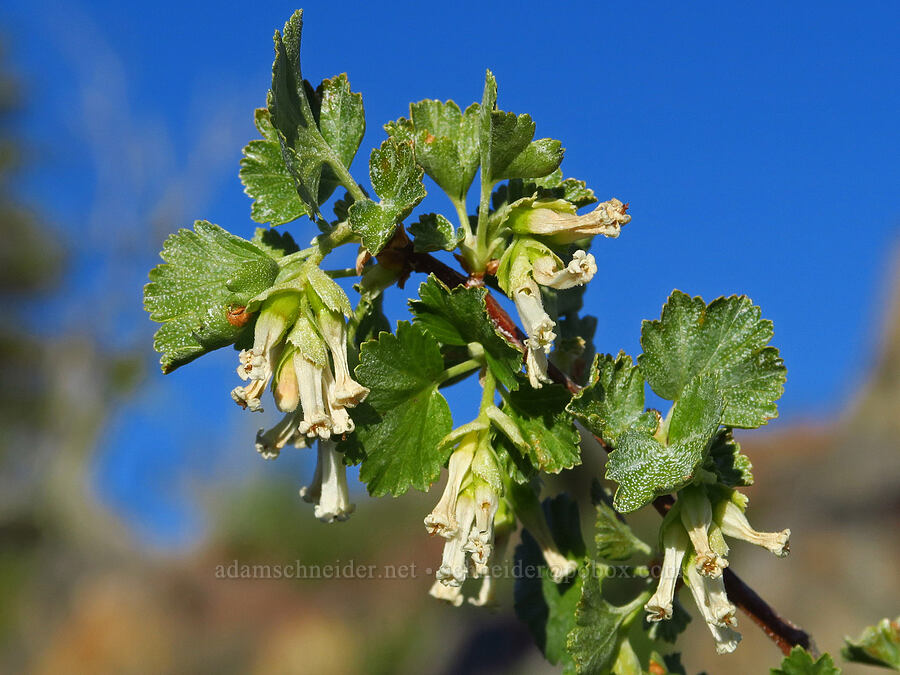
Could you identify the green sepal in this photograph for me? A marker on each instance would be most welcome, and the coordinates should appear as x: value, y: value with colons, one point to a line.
x: 433, y: 232
x: 728, y: 339
x: 266, y: 178
x: 402, y: 422
x: 397, y: 181
x: 800, y: 662
x: 613, y: 401
x: 645, y: 468
x: 328, y: 290
x: 207, y: 272
x: 459, y: 317
x: 878, y: 645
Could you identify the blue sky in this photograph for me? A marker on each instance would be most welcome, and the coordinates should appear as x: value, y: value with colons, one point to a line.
x: 757, y: 147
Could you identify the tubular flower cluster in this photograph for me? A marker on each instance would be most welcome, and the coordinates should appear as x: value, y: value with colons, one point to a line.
x: 688, y: 551
x: 464, y: 517
x: 300, y: 346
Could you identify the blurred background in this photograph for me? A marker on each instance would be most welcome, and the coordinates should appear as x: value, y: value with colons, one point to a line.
x: 758, y: 148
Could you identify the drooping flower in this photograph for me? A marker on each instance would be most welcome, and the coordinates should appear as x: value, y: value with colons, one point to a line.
x: 717, y: 611
x: 257, y: 364
x: 328, y: 490
x: 310, y: 379
x: 347, y: 391
x: 733, y: 522
x: 451, y: 594
x: 270, y: 443
x: 675, y: 544
x: 454, y: 569
x: 442, y: 519
x: 696, y: 515
x: 480, y: 543
x: 538, y: 327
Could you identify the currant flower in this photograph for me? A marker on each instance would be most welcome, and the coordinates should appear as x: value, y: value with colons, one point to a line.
x: 557, y: 219
x: 328, y: 491
x: 675, y: 545
x: 696, y: 515
x: 442, y: 520
x: 717, y: 611
x: 580, y: 270
x: 454, y: 569
x: 733, y: 522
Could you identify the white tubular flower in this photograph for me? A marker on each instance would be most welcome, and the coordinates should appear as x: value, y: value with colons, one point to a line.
x: 333, y: 499
x: 561, y: 568
x: 453, y: 570
x: 539, y: 328
x: 481, y: 538
x: 696, y: 515
x: 578, y: 272
x: 451, y: 594
x: 734, y: 524
x: 348, y: 392
x: 248, y: 396
x: 341, y: 424
x: 557, y: 219
x: 316, y: 421
x: 277, y: 314
x: 442, y: 519
x: 269, y: 443
x: 719, y: 614
x: 675, y: 543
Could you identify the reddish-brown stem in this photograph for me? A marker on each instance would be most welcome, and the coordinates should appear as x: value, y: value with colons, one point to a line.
x: 782, y: 632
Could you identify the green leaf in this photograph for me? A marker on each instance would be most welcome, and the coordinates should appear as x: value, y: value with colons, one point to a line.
x: 319, y: 132
x: 613, y: 539
x: 593, y: 642
x: 644, y: 468
x: 613, y: 401
x: 507, y: 149
x: 551, y: 440
x: 433, y: 232
x: 206, y: 273
x: 266, y: 178
x: 728, y: 462
x: 545, y: 607
x: 800, y: 662
x: 551, y: 186
x: 274, y: 243
x: 446, y: 143
x: 459, y: 317
x: 401, y: 439
x: 728, y: 339
x: 397, y: 180
x: 879, y: 645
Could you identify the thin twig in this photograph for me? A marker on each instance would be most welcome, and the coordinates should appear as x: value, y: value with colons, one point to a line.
x: 782, y: 632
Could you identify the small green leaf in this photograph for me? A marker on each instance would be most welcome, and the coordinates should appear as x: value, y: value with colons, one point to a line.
x: 728, y: 339
x: 433, y: 232
x: 458, y: 317
x: 548, y: 608
x: 879, y: 645
x: 266, y: 178
x: 728, y: 462
x: 593, y: 642
x: 507, y: 149
x: 407, y: 416
x: 800, y: 662
x: 206, y: 273
x: 397, y: 180
x: 319, y: 131
x: 551, y: 440
x: 613, y: 401
x: 613, y: 539
x: 446, y: 143
x: 644, y: 468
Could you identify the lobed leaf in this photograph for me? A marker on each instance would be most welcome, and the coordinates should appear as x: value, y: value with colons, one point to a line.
x: 800, y: 662
x: 727, y: 339
x: 879, y: 645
